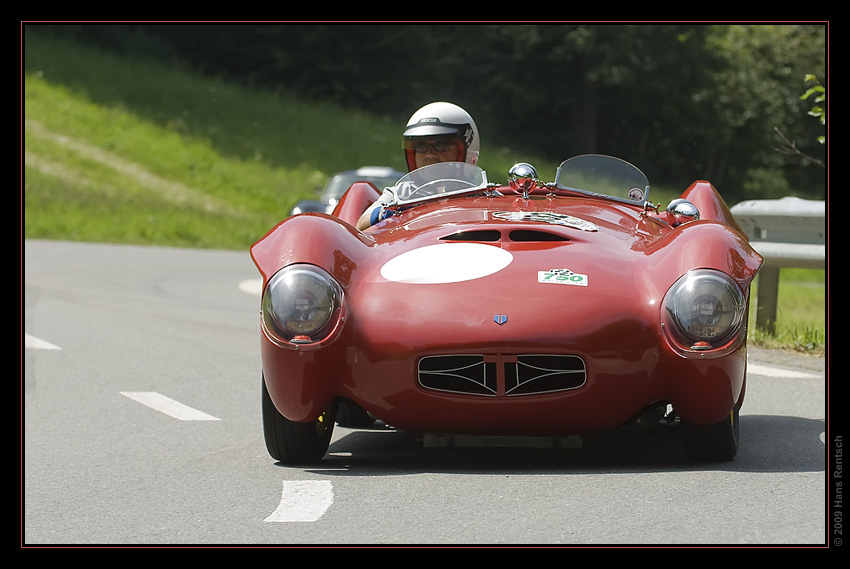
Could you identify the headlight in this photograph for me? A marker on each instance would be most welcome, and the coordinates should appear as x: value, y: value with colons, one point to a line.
x: 301, y: 304
x: 703, y: 310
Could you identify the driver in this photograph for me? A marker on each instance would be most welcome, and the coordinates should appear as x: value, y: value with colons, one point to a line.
x: 438, y: 132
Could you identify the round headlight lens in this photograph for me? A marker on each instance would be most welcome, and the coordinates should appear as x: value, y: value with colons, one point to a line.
x: 705, y: 308
x: 300, y: 302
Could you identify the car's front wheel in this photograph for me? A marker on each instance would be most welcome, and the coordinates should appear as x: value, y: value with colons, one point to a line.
x: 717, y: 442
x: 291, y: 442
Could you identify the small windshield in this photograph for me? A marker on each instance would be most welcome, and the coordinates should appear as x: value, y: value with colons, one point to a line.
x: 603, y: 176
x: 438, y: 181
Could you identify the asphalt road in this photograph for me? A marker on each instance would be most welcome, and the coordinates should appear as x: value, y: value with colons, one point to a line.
x: 141, y: 425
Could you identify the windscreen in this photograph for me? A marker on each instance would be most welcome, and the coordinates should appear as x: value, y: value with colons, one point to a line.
x: 438, y: 181
x: 603, y: 176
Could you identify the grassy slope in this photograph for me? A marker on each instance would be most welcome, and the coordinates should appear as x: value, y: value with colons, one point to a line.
x: 133, y: 152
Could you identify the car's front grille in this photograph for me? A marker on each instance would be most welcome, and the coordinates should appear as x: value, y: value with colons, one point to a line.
x: 502, y: 375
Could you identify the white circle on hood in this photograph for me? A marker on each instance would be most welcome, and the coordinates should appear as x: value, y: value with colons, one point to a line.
x: 446, y: 263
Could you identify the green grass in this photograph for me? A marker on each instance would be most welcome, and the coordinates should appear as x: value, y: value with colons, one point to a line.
x: 135, y: 152
x: 801, y: 314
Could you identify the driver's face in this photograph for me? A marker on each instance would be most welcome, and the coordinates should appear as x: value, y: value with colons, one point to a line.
x: 436, y: 151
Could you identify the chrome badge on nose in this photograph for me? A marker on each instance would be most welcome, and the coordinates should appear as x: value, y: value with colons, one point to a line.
x: 500, y: 319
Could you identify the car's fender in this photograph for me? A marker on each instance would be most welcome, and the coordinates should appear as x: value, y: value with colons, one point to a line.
x: 354, y: 202
x: 315, y: 238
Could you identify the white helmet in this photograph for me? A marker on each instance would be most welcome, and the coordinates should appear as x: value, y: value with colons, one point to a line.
x: 442, y: 119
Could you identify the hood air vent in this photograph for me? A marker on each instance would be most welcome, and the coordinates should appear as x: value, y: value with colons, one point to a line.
x: 523, y: 235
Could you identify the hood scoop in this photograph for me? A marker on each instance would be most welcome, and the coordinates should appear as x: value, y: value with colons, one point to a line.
x: 494, y: 235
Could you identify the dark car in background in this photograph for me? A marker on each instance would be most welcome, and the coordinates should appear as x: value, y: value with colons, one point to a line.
x: 379, y: 176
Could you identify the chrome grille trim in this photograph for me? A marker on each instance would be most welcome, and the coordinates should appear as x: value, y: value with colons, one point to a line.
x: 502, y: 375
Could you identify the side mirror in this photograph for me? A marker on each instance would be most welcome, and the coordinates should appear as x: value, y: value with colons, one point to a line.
x: 682, y: 211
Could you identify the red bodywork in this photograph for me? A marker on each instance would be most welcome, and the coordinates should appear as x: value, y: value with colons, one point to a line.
x: 613, y: 324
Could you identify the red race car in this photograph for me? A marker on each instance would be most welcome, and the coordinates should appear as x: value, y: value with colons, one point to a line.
x: 527, y: 309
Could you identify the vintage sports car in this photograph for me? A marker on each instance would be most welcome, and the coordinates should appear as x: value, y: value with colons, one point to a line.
x: 524, y: 309
x: 380, y: 176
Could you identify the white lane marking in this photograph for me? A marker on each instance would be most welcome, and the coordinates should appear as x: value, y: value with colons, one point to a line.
x: 33, y: 343
x: 770, y: 371
x: 303, y: 501
x: 252, y: 286
x: 170, y: 407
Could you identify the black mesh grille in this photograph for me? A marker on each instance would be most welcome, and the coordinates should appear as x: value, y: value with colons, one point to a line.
x: 501, y: 375
x: 537, y: 373
x: 463, y: 374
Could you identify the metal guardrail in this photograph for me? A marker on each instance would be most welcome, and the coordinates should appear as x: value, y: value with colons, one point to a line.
x: 788, y: 232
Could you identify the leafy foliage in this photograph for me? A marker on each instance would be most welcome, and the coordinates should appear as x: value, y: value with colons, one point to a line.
x: 817, y: 93
x: 685, y: 101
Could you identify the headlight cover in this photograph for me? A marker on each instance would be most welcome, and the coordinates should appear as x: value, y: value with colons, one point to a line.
x: 301, y: 305
x: 703, y: 310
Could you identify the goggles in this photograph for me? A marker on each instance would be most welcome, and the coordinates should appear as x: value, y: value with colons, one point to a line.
x: 440, y: 144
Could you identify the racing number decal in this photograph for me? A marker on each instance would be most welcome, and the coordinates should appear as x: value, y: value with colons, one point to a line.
x: 561, y: 276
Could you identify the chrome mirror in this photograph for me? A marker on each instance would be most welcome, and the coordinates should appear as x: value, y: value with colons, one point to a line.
x: 682, y: 211
x: 522, y: 178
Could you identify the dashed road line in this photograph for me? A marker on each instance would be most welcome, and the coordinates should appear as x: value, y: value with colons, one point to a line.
x: 253, y: 287
x: 303, y: 501
x: 33, y: 343
x: 168, y: 406
x: 770, y: 371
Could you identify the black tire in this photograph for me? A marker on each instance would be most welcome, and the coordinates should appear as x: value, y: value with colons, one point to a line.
x: 350, y: 414
x: 295, y: 443
x: 713, y: 443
